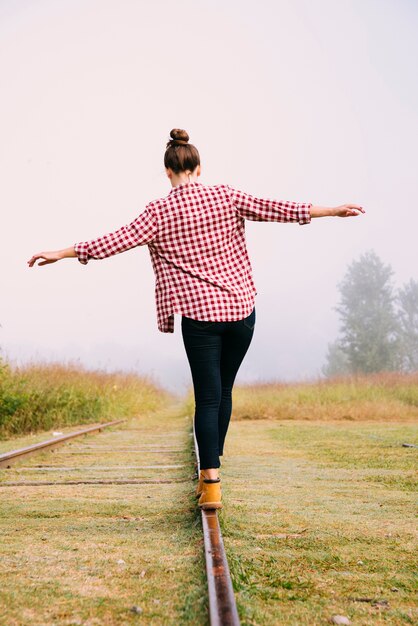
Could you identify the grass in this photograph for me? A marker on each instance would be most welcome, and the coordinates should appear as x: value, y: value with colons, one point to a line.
x: 318, y: 494
x: 318, y: 520
x: 40, y: 397
x: 87, y: 554
x: 378, y: 397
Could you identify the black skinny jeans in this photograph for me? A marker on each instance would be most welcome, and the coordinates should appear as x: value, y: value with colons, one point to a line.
x: 215, y: 351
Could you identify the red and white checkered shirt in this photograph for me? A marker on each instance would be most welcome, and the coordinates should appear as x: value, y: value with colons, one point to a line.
x: 196, y: 240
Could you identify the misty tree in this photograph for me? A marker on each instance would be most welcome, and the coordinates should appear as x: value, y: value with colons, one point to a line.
x: 369, y: 327
x: 336, y: 361
x: 407, y: 300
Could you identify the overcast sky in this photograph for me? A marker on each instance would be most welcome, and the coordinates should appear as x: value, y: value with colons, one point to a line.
x: 296, y: 100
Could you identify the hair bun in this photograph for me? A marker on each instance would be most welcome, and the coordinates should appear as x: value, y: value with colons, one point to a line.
x: 180, y: 155
x: 179, y: 136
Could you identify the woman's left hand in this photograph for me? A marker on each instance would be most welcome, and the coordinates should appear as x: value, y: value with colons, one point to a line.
x: 49, y: 257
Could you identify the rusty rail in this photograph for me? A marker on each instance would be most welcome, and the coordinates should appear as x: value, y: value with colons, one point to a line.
x: 8, y: 458
x: 222, y: 605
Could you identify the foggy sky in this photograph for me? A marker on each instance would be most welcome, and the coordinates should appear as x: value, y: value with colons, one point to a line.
x: 293, y: 100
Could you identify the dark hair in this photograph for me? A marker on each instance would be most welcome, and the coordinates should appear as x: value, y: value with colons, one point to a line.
x: 181, y: 155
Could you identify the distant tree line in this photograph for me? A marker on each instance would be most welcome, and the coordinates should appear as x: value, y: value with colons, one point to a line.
x: 378, y: 323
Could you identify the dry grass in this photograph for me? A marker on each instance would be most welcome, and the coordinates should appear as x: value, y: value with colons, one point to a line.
x: 379, y: 397
x: 39, y: 397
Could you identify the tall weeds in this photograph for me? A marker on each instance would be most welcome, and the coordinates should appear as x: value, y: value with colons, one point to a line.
x: 38, y: 397
x: 384, y: 396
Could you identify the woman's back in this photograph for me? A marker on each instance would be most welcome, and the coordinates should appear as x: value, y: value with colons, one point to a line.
x: 196, y: 223
x: 196, y: 239
x: 199, y: 255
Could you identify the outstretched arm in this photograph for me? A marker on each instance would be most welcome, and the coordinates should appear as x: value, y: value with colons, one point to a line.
x: 267, y: 209
x: 271, y: 210
x: 139, y: 232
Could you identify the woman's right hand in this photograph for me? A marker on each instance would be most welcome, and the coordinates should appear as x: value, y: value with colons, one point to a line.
x: 344, y: 210
x: 348, y: 210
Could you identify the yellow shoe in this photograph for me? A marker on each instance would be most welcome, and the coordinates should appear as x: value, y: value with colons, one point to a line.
x: 211, y: 495
x: 199, y: 486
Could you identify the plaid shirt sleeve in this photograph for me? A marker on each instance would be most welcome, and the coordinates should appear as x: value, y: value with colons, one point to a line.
x: 266, y: 210
x: 141, y: 231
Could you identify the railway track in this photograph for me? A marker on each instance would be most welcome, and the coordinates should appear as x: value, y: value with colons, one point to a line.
x: 10, y: 458
x: 222, y: 606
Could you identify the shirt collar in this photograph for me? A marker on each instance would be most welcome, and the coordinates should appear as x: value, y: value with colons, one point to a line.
x: 192, y: 185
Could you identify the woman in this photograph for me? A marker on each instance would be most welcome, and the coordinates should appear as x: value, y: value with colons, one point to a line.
x: 196, y: 239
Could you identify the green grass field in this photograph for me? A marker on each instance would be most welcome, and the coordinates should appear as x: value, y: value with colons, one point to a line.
x: 320, y: 519
x: 319, y: 512
x: 86, y: 554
